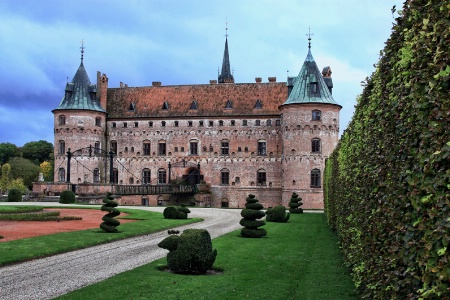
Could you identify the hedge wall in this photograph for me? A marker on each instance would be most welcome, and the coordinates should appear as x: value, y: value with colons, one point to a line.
x: 387, y: 182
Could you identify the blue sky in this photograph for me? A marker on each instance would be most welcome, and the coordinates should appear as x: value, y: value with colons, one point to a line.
x: 177, y: 42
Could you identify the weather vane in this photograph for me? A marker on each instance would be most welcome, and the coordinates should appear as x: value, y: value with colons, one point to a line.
x: 82, y: 49
x: 226, y: 27
x: 309, y: 34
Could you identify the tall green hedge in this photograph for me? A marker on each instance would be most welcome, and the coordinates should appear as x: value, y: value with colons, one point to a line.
x: 387, y: 182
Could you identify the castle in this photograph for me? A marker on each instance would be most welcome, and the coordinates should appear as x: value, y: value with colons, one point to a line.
x: 269, y: 139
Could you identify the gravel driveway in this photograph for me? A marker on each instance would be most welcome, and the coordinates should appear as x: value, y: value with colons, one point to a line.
x: 53, y: 276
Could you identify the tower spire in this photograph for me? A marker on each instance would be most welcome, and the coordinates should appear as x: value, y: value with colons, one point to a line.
x: 82, y: 50
x: 226, y: 76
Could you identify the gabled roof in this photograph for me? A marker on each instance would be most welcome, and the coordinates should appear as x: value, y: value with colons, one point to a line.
x: 309, y: 85
x: 80, y: 93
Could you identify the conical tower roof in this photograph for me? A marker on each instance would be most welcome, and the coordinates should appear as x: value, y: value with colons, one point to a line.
x: 309, y: 85
x: 80, y: 93
x: 226, y: 76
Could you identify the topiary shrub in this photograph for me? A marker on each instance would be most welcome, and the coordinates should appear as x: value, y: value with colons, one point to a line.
x: 15, y: 195
x: 67, y: 197
x: 251, y: 213
x: 277, y: 214
x: 109, y: 223
x: 295, y: 203
x: 189, y: 253
x: 172, y: 212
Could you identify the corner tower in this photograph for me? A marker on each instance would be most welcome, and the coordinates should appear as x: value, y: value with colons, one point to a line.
x: 79, y: 123
x: 310, y: 130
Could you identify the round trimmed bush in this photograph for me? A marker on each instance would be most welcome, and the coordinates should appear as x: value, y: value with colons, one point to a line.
x: 251, y: 223
x: 181, y: 215
x: 252, y: 214
x: 170, y: 212
x: 67, y: 197
x: 15, y: 195
x: 277, y: 214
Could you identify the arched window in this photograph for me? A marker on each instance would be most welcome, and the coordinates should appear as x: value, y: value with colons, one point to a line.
x: 146, y: 176
x: 316, y: 115
x: 62, y: 147
x: 96, y: 176
x: 315, y: 145
x: 225, y: 177
x: 61, y: 175
x: 315, y: 178
x: 115, y: 176
x: 162, y: 176
x: 62, y: 120
x: 261, y: 177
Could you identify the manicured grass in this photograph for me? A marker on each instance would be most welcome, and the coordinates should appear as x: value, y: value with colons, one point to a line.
x: 30, y: 248
x: 297, y: 260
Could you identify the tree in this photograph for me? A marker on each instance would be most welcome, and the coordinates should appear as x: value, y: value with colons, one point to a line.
x: 6, y: 177
x: 251, y: 213
x: 7, y: 151
x: 25, y: 169
x: 37, y: 151
x: 47, y: 170
x: 109, y: 222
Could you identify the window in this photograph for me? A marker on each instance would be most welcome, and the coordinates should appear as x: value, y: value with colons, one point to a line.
x: 244, y: 122
x: 115, y: 176
x: 98, y: 121
x: 316, y: 115
x: 162, y: 148
x: 269, y: 123
x: 161, y: 176
x: 261, y: 178
x: 62, y: 147
x: 314, y: 88
x: 237, y: 179
x: 200, y: 123
x: 190, y: 123
x: 211, y: 123
x: 146, y: 148
x: 229, y: 105
x: 225, y: 148
x: 258, y: 123
x: 278, y: 122
x: 131, y: 180
x: 233, y: 122
x: 61, y: 175
x: 114, y: 125
x: 175, y: 149
x: 315, y: 145
x: 125, y: 124
x: 194, y: 105
x: 262, y: 148
x: 163, y: 124
x: 62, y: 120
x: 258, y: 104
x: 220, y: 123
x: 225, y: 177
x: 146, y: 176
x: 315, y: 178
x: 97, y: 148
x: 165, y: 106
x: 136, y: 124
x: 113, y: 146
x: 176, y: 123
x: 245, y: 149
x: 193, y: 148
x: 131, y: 107
x: 96, y: 176
x: 182, y: 149
x: 239, y: 149
x: 150, y: 124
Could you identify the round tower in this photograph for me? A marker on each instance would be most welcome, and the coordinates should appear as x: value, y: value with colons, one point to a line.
x: 79, y: 128
x: 310, y: 132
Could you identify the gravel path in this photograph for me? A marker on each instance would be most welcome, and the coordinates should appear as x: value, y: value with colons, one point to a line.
x: 56, y: 275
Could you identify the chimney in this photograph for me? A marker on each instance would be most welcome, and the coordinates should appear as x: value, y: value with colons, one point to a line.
x: 156, y: 83
x: 213, y: 82
x: 258, y: 79
x: 272, y: 79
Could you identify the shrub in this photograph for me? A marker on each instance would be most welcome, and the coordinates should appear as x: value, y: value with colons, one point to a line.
x: 189, y: 253
x: 172, y: 212
x: 109, y: 223
x: 14, y: 195
x: 295, y: 203
x: 277, y: 214
x: 250, y: 214
x: 67, y: 197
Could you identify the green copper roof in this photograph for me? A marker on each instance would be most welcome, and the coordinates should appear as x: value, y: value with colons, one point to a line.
x: 309, y: 85
x: 80, y: 93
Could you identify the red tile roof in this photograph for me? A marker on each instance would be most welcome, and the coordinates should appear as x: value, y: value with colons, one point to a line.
x: 211, y: 100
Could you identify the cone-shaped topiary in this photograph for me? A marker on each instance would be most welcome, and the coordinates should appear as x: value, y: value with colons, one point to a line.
x: 189, y: 253
x: 295, y: 203
x: 251, y: 213
x: 277, y: 214
x: 109, y: 223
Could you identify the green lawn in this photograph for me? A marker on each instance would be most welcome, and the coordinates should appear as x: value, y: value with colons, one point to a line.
x: 297, y: 260
x: 30, y: 248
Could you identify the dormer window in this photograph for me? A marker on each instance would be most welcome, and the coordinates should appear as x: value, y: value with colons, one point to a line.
x: 165, y: 106
x: 229, y: 105
x: 132, y: 107
x: 258, y: 104
x: 194, y: 105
